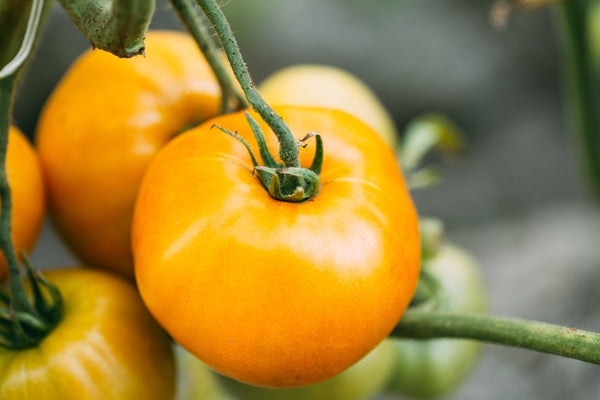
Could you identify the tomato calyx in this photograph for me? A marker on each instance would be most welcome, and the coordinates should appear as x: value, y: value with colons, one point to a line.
x: 292, y: 184
x: 21, y: 329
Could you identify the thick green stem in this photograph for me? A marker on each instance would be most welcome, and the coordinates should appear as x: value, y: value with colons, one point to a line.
x: 20, y: 301
x: 538, y: 336
x: 117, y: 26
x: 10, y: 69
x: 186, y: 9
x: 288, y: 146
x: 24, y: 322
x: 8, y: 74
x: 579, y: 77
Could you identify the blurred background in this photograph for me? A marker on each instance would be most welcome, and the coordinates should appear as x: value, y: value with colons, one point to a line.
x: 517, y: 199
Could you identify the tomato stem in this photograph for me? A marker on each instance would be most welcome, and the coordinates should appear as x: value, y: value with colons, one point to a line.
x: 116, y: 26
x: 288, y: 181
x: 24, y: 322
x: 579, y: 82
x: 288, y: 150
x: 231, y: 97
x: 20, y: 300
x: 533, y: 335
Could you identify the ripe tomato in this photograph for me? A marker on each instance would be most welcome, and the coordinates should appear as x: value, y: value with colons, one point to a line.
x: 434, y: 368
x: 329, y: 87
x: 25, y: 178
x: 101, y: 127
x: 267, y: 292
x: 363, y: 380
x: 106, y: 346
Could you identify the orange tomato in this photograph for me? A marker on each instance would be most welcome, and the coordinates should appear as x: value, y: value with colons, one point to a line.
x: 101, y: 127
x: 25, y: 178
x: 267, y: 292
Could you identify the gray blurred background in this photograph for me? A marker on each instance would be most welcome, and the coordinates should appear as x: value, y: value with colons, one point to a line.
x: 516, y: 200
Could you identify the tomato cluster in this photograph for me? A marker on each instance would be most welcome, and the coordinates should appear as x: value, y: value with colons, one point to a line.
x: 271, y: 294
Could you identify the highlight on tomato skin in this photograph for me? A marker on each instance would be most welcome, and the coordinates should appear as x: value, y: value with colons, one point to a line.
x: 26, y: 181
x: 100, y: 128
x: 268, y: 292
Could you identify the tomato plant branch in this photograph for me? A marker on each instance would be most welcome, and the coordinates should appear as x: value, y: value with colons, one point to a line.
x: 117, y: 26
x: 538, y: 336
x: 288, y: 150
x: 20, y: 300
x: 8, y: 75
x: 23, y: 322
x: 186, y: 10
x: 579, y: 77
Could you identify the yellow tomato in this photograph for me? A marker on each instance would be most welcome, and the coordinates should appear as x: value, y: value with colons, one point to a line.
x: 106, y: 346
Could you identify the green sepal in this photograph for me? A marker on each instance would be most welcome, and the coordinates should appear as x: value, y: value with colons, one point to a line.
x: 297, y: 194
x: 264, y: 178
x: 22, y: 329
x: 317, y: 163
x: 22, y: 340
x: 293, y: 184
x: 37, y: 324
x: 265, y: 154
x: 53, y: 313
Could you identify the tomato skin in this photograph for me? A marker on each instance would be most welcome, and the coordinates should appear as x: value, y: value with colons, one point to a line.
x: 434, y: 368
x: 361, y: 381
x: 267, y: 292
x: 329, y: 87
x: 101, y: 127
x: 25, y: 178
x: 106, y: 346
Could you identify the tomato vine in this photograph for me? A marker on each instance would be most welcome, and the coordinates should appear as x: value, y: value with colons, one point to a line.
x: 538, y: 336
x: 23, y: 321
x: 231, y: 98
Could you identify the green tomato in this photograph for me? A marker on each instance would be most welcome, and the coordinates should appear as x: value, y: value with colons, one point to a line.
x: 363, y: 380
x: 195, y: 381
x: 436, y: 367
x: 329, y: 87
